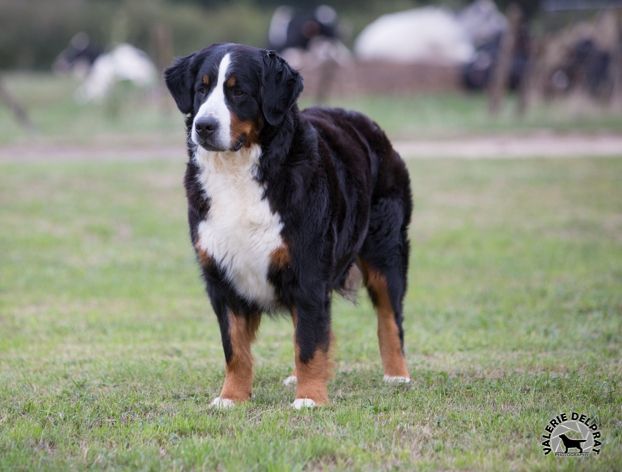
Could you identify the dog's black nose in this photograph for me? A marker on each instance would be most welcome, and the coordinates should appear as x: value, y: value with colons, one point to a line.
x: 206, y: 127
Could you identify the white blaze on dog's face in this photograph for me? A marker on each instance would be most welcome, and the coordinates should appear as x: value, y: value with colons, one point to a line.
x: 230, y: 93
x: 212, y: 124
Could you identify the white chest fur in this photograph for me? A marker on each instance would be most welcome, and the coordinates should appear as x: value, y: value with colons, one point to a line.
x: 240, y: 231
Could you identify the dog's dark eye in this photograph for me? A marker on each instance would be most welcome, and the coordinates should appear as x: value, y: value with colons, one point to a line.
x: 237, y: 92
x: 202, y: 90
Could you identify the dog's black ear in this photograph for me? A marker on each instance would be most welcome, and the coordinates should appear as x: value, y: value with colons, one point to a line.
x: 281, y: 86
x: 179, y: 79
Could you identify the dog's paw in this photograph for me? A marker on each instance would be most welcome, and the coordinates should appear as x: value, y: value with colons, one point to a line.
x: 300, y: 403
x: 396, y: 379
x: 291, y: 380
x: 221, y: 403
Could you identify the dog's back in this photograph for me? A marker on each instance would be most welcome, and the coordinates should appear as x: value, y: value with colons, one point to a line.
x: 367, y: 176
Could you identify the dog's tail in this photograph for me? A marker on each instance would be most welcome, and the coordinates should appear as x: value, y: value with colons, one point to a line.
x: 350, y: 285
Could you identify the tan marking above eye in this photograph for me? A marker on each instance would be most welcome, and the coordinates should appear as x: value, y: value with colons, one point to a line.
x: 231, y: 81
x: 206, y: 79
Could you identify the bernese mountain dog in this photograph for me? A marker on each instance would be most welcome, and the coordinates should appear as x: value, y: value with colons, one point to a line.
x: 284, y: 207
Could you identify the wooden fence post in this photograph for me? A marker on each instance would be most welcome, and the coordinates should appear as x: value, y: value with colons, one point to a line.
x: 501, y: 73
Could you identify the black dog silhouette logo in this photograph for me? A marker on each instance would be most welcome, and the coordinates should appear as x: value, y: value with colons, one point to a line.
x: 571, y: 435
x: 568, y: 443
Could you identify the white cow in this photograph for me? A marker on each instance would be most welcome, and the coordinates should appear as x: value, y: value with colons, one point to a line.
x: 124, y: 62
x: 430, y: 35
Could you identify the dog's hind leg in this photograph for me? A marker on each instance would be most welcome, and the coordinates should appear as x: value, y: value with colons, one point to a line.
x: 384, y: 262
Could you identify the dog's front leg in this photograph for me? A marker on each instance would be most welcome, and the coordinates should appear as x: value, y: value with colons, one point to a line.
x: 312, y: 347
x: 238, y: 332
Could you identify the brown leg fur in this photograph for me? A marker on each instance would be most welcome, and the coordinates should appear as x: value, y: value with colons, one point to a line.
x: 239, y: 370
x: 313, y: 375
x: 393, y: 360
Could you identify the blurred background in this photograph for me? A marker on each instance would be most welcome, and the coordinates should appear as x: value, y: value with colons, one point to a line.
x: 109, y: 355
x: 85, y: 71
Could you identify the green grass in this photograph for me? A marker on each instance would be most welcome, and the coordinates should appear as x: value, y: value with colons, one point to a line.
x: 109, y: 353
x: 130, y: 117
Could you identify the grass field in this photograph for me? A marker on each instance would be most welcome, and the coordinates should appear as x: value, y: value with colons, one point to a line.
x: 109, y: 354
x: 129, y: 117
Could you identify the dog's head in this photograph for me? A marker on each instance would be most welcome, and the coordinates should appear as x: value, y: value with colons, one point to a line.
x: 231, y: 92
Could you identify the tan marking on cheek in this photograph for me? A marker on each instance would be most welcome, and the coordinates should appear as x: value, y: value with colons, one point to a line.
x: 246, y: 130
x: 239, y: 370
x: 279, y: 258
x: 205, y: 79
x: 393, y: 360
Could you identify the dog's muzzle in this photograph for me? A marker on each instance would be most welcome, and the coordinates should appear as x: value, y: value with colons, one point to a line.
x: 206, y: 130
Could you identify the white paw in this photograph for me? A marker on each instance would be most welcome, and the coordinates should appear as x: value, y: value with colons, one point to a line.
x: 291, y: 380
x: 221, y: 403
x: 396, y: 379
x: 303, y: 403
